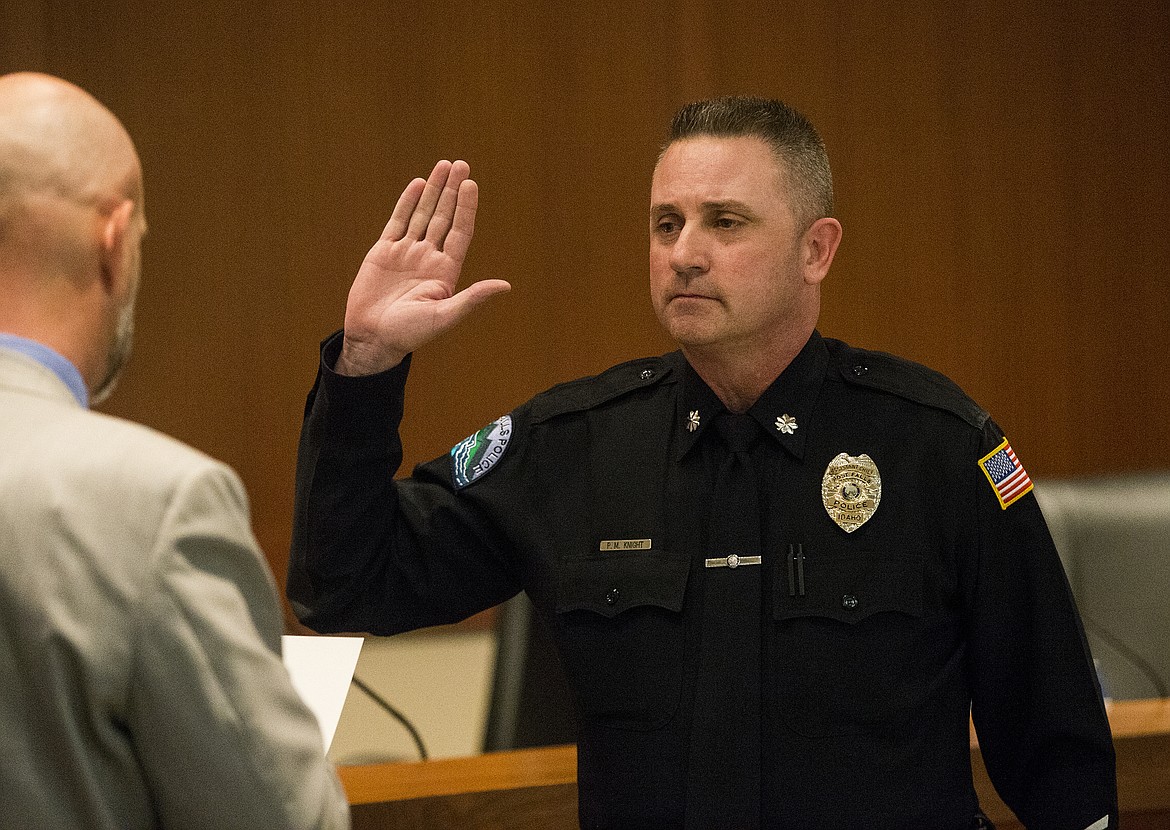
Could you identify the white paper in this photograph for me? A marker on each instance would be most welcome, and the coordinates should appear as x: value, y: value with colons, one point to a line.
x: 321, y: 669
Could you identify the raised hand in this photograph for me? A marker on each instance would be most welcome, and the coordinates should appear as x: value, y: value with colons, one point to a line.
x: 404, y: 293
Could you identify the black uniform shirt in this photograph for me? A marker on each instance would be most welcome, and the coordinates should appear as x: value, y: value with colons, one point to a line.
x: 878, y: 642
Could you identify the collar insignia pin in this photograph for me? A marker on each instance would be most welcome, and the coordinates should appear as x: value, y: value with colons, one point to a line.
x: 786, y: 424
x: 693, y: 420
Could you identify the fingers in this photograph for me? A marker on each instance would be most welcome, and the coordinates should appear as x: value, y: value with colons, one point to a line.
x: 448, y: 203
x: 463, y: 225
x: 429, y: 208
x: 403, y: 210
x: 433, y: 216
x: 428, y: 201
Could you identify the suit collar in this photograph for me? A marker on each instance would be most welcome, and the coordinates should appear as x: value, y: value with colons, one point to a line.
x: 20, y: 372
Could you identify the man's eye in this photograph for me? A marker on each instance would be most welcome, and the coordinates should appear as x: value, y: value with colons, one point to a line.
x: 666, y: 227
x: 726, y: 223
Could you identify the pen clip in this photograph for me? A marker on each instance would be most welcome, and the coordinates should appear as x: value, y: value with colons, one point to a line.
x: 795, y: 570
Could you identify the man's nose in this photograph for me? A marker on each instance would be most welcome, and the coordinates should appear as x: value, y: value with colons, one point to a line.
x: 688, y: 254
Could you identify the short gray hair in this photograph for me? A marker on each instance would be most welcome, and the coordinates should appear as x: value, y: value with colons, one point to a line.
x: 792, y: 137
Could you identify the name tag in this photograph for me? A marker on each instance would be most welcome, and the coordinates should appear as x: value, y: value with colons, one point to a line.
x: 625, y: 544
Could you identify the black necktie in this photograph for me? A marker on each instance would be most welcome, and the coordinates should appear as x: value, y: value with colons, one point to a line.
x: 724, y: 773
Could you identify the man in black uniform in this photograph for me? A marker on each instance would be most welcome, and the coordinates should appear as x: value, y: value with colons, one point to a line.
x: 781, y: 572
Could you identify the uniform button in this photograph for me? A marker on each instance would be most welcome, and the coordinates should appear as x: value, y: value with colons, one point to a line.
x: 849, y: 601
x: 860, y: 369
x: 647, y: 374
x: 611, y: 596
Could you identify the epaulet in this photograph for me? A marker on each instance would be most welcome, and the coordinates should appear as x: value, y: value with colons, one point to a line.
x: 904, y: 378
x: 589, y: 392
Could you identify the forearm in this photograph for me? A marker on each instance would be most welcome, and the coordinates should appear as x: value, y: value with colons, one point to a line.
x: 371, y: 553
x: 345, y: 504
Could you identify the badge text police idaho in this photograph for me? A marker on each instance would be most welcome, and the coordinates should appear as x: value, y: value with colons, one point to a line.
x: 476, y: 454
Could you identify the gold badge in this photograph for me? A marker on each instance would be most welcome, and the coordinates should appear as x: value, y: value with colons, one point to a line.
x: 851, y: 490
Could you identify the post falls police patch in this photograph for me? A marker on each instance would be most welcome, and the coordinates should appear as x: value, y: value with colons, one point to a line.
x: 474, y: 456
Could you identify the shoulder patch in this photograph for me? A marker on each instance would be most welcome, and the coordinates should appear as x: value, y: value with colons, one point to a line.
x: 475, y: 456
x: 906, y: 379
x: 1007, y: 475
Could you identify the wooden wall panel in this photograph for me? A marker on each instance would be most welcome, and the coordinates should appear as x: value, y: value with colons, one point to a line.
x: 1001, y: 174
x: 22, y: 35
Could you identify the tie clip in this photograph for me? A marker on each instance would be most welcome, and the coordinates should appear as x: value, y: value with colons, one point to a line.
x: 732, y: 561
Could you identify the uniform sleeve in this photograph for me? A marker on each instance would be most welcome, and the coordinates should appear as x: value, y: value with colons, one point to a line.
x: 1036, y: 702
x: 222, y: 735
x: 369, y: 552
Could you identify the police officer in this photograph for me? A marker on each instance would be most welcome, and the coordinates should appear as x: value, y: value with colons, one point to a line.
x: 782, y: 573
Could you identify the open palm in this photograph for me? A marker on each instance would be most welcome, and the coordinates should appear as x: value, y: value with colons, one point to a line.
x: 404, y: 293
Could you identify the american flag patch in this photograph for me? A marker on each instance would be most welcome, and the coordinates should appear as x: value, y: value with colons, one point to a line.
x: 1006, y: 474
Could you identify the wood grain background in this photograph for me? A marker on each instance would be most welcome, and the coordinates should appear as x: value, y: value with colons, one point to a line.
x: 1001, y: 170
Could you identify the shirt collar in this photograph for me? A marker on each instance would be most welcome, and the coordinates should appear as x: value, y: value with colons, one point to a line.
x: 52, y: 361
x: 783, y: 410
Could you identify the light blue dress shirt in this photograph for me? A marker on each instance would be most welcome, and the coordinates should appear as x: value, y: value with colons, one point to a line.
x: 51, y: 360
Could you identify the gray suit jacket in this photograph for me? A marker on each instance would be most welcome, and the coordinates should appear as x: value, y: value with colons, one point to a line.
x: 139, y: 634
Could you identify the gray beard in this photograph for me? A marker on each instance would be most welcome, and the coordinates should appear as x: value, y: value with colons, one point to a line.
x: 119, y: 355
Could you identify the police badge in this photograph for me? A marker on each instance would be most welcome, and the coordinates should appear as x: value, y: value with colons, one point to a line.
x: 851, y: 490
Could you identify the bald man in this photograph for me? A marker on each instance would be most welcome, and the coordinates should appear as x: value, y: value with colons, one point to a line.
x: 139, y: 627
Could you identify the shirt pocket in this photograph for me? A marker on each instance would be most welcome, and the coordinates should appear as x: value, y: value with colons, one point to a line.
x: 843, y: 651
x: 620, y: 629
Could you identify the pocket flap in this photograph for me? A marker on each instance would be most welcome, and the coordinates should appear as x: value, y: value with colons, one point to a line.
x: 610, y: 583
x: 851, y: 587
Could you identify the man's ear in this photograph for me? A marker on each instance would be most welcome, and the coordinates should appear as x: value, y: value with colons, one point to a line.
x: 116, y: 233
x: 820, y: 246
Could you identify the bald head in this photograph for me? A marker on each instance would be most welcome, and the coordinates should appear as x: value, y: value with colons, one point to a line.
x: 71, y: 222
x: 56, y: 139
